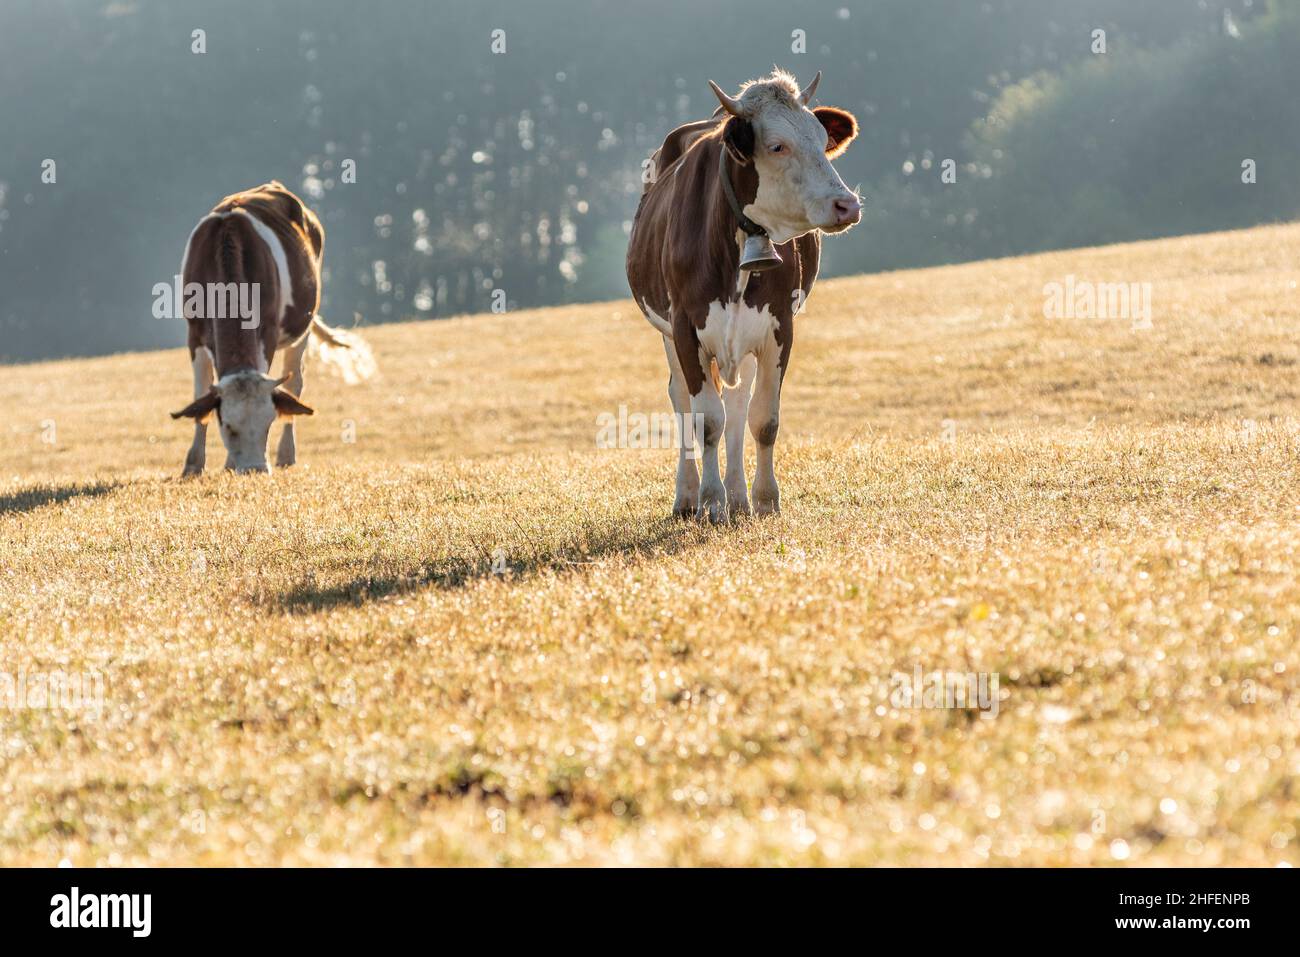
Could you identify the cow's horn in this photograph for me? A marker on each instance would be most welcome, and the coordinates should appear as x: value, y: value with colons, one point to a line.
x: 811, y: 88
x: 729, y: 103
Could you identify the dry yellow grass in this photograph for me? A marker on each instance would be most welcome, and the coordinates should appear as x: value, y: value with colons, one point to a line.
x: 322, y: 667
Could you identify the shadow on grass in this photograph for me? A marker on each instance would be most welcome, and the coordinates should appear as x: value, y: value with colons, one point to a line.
x: 30, y: 499
x: 668, y: 536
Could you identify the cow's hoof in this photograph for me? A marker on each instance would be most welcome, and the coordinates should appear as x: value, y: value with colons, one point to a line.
x: 285, y: 462
x: 767, y: 505
x: 192, y: 471
x: 737, y: 500
x: 713, y: 514
x: 713, y: 506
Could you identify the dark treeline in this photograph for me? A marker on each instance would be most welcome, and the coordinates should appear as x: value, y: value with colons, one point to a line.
x: 520, y: 170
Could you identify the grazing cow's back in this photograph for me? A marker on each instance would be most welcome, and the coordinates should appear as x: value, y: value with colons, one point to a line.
x: 266, y: 236
x: 226, y: 252
x: 724, y: 249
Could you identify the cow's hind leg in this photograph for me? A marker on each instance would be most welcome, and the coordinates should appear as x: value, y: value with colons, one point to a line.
x: 205, y: 375
x: 764, y: 422
x: 287, y: 453
x: 736, y: 402
x: 687, y: 498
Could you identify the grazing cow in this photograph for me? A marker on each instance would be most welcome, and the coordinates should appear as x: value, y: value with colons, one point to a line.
x: 703, y: 270
x: 265, y: 240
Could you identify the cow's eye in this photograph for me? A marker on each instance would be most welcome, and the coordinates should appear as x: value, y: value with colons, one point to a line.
x: 777, y: 148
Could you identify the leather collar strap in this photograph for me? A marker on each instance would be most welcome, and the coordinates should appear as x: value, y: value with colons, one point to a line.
x: 747, y: 225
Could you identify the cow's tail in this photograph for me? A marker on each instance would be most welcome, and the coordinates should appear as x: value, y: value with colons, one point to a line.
x: 659, y: 322
x: 345, y: 352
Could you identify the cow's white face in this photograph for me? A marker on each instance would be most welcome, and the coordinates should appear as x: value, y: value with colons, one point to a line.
x: 245, y: 415
x: 246, y: 403
x: 791, y: 148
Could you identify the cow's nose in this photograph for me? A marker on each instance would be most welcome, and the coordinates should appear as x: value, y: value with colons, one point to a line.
x: 847, y: 210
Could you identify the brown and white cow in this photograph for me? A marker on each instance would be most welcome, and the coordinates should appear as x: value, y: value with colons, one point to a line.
x: 728, y: 330
x: 268, y: 240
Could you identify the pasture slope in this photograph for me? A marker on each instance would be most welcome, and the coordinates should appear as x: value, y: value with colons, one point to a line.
x: 324, y: 666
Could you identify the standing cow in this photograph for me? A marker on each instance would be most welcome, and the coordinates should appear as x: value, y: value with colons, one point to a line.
x: 262, y: 246
x: 702, y: 267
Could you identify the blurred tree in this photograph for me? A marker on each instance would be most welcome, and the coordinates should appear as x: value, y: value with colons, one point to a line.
x: 520, y: 170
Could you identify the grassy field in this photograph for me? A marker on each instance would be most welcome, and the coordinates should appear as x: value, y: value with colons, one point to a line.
x: 460, y: 633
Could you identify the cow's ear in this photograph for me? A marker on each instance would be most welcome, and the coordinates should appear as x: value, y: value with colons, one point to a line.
x: 738, y: 138
x: 841, y: 128
x: 286, y: 403
x: 201, y: 408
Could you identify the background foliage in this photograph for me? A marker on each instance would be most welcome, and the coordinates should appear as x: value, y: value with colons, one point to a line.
x: 521, y: 171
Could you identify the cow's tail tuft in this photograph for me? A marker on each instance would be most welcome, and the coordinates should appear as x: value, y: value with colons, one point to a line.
x: 344, y: 352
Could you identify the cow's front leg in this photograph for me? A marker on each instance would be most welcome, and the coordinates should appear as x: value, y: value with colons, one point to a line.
x: 764, y: 422
x: 711, y: 418
x: 687, y: 498
x: 707, y: 416
x: 205, y: 376
x: 287, y: 452
x: 736, y: 403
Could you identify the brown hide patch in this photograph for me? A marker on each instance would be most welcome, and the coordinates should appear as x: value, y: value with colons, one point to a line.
x: 738, y: 137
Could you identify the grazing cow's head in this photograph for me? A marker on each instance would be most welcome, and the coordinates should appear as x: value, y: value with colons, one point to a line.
x: 791, y: 148
x: 246, y: 403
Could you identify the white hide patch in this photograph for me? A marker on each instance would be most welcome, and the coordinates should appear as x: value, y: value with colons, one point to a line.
x: 735, y: 330
x: 268, y: 236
